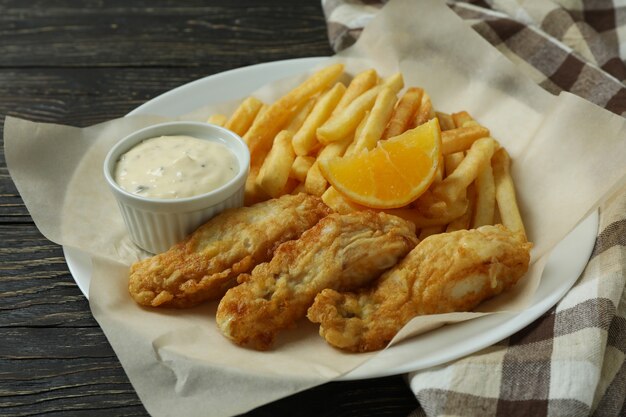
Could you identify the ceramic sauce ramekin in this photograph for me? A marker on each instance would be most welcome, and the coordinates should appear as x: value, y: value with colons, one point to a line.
x: 155, y: 224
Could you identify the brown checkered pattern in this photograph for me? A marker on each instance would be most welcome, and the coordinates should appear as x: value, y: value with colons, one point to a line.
x: 571, y: 361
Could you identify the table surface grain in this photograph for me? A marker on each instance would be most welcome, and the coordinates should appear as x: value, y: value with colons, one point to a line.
x: 84, y: 62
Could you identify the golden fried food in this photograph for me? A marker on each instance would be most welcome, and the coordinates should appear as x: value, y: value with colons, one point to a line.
x: 357, y: 146
x: 445, y: 273
x: 342, y: 252
x: 207, y: 263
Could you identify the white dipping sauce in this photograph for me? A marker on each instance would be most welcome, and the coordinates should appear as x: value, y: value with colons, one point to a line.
x: 175, y: 167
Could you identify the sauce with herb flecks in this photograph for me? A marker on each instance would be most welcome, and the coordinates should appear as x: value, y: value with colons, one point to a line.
x: 175, y: 167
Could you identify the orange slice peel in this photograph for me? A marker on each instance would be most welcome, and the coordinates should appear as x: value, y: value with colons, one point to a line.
x: 393, y: 174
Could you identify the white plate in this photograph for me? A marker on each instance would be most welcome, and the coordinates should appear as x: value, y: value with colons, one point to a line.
x: 434, y: 348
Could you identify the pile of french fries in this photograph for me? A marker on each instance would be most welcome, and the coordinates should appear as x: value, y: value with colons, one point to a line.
x: 323, y: 118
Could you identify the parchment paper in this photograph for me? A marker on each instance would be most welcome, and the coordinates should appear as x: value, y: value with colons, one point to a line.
x: 568, y: 155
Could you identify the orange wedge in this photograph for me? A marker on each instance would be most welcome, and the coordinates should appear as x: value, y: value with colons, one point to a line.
x: 391, y: 175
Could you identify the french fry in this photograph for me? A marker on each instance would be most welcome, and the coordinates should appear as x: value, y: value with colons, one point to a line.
x: 315, y: 182
x: 425, y: 112
x: 299, y: 189
x: 262, y: 110
x: 361, y: 125
x: 452, y: 161
x: 452, y: 211
x: 256, y: 121
x: 478, y: 156
x: 431, y: 206
x: 301, y: 166
x: 344, y: 123
x: 401, y: 117
x: 350, y: 149
x: 361, y: 82
x: 333, y: 150
x: 376, y: 121
x: 304, y: 140
x: 253, y: 192
x: 463, y: 118
x: 290, y: 186
x: 260, y: 135
x: 459, y: 119
x: 485, y: 198
x: 496, y: 215
x: 298, y: 120
x: 333, y: 199
x: 440, y: 170
x: 461, y: 138
x: 217, y: 119
x: 434, y: 208
x: 505, y: 193
x: 357, y: 133
x: 460, y: 223
x: 316, y: 83
x: 464, y: 221
x: 244, y: 115
x: 274, y: 172
x: 445, y: 121
x: 395, y: 82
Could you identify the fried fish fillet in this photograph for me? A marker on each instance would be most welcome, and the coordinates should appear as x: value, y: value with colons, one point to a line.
x: 445, y: 273
x: 341, y: 252
x: 207, y: 263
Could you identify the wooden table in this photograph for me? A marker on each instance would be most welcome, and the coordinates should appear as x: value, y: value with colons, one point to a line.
x: 84, y: 62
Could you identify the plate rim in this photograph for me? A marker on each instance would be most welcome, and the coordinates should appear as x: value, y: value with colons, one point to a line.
x: 79, y: 263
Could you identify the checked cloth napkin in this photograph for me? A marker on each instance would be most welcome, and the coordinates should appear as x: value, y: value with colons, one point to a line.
x: 569, y: 362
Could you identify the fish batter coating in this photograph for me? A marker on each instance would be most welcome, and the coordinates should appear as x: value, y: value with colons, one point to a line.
x: 206, y: 264
x: 445, y: 273
x: 342, y: 252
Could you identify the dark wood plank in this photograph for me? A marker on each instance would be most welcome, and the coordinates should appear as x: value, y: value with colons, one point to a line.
x: 82, y: 97
x: 388, y: 396
x: 71, y: 385
x: 49, y: 342
x: 37, y: 288
x: 78, y: 390
x: 54, y: 358
x: 12, y: 208
x: 189, y: 34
